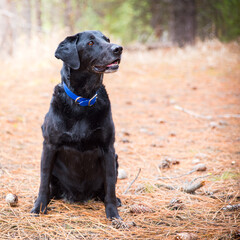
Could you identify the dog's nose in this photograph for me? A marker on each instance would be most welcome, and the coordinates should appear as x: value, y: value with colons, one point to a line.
x: 117, y: 49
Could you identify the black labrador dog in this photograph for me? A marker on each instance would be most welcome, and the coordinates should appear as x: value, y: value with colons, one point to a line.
x: 78, y: 159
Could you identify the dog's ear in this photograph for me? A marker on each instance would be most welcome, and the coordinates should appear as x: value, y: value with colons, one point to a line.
x: 67, y: 52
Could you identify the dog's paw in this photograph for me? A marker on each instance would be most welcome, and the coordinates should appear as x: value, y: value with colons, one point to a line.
x: 119, y: 202
x: 112, y: 212
x: 40, y: 206
x: 39, y: 209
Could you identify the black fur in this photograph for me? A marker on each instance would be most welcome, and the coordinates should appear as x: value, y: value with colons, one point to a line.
x: 78, y: 159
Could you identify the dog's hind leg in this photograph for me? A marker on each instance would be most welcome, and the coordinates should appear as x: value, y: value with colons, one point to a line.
x: 55, y: 188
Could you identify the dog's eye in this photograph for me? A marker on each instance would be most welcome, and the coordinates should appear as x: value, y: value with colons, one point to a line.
x: 108, y: 40
x: 90, y: 43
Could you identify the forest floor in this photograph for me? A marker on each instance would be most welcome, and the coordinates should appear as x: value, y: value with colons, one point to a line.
x: 180, y: 105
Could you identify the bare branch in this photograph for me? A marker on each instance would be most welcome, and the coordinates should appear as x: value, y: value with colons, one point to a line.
x: 196, y: 115
x: 131, y: 183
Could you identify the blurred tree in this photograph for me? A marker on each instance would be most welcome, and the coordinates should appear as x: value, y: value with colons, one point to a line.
x: 28, y: 18
x: 226, y: 18
x: 184, y: 22
x: 7, y: 33
x: 218, y: 18
x: 38, y: 7
x: 166, y: 21
x: 68, y: 17
x: 160, y: 16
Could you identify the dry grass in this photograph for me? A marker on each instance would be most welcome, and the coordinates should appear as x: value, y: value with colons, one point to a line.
x: 204, y: 79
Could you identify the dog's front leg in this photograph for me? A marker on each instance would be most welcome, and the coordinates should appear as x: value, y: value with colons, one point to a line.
x: 47, y: 162
x: 110, y: 174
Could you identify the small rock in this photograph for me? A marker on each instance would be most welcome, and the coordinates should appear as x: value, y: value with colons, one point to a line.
x: 232, y: 207
x: 186, y: 236
x: 213, y: 125
x: 128, y: 102
x: 196, y: 160
x: 172, y: 101
x: 161, y: 121
x: 143, y: 130
x: 125, y: 133
x: 201, y: 155
x: 122, y: 174
x: 157, y: 145
x: 222, y: 123
x: 200, y: 167
x: 175, y: 204
x: 172, y: 134
x: 125, y: 140
x: 12, y: 199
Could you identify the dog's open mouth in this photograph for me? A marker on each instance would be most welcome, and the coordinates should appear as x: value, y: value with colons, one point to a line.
x: 112, y: 67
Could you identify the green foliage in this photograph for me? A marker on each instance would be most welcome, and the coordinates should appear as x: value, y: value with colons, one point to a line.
x: 218, y: 18
x: 225, y: 176
x: 131, y: 20
x: 89, y: 20
x: 118, y: 20
x: 127, y: 20
x: 228, y: 19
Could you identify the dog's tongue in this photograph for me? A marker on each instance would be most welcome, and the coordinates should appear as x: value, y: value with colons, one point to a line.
x: 114, y: 63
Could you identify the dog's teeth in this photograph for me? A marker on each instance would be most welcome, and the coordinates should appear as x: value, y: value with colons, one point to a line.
x: 112, y: 64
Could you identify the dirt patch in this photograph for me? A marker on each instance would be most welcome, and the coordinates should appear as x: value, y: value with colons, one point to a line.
x: 146, y: 95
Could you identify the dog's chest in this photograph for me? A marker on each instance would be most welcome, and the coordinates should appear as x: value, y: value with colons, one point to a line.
x: 82, y: 132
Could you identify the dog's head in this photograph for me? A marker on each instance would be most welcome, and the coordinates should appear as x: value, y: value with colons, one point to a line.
x: 90, y: 50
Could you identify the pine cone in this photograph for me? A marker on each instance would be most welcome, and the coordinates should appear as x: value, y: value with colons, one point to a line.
x: 139, y: 209
x: 118, y: 223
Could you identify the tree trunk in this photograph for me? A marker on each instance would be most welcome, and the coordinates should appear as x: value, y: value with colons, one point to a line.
x: 184, y: 22
x: 68, y: 16
x: 28, y: 18
x: 157, y: 15
x: 6, y: 27
x: 39, y: 15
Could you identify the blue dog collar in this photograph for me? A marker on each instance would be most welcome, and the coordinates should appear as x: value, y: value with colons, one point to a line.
x: 84, y: 102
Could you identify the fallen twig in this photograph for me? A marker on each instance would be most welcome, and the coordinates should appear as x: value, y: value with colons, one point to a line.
x: 204, y: 176
x: 191, y: 188
x: 169, y: 187
x: 198, y: 168
x: 188, y: 188
x: 208, y: 117
x: 192, y: 113
x: 185, y: 174
x: 131, y: 183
